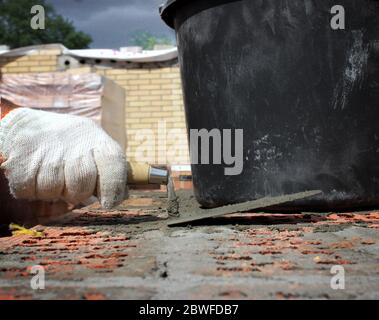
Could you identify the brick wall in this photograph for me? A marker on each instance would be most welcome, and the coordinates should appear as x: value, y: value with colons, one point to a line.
x: 154, y: 113
x: 40, y: 61
x: 155, y: 123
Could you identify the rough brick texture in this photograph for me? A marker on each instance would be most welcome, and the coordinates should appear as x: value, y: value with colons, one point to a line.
x: 130, y: 253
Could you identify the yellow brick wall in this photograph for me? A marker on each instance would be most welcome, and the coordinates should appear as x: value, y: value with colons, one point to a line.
x: 155, y: 123
x: 154, y: 114
x: 40, y: 61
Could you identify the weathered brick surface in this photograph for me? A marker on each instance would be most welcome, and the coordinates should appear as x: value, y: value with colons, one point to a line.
x: 130, y: 253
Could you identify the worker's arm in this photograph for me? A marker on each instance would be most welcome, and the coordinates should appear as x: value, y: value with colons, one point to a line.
x: 49, y: 156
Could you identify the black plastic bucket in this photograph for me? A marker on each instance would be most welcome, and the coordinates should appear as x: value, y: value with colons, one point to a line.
x: 305, y: 94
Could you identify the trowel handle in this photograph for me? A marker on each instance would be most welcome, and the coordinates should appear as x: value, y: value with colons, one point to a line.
x: 143, y: 173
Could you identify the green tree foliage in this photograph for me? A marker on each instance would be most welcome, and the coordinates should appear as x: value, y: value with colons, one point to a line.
x: 15, y: 29
x: 147, y: 41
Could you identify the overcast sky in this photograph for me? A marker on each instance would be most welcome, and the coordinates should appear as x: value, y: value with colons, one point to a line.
x: 112, y: 22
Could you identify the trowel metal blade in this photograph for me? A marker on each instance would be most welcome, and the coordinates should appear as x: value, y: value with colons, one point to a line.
x: 242, y: 207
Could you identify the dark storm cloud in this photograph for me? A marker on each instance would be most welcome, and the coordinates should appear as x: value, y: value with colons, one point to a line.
x: 112, y: 22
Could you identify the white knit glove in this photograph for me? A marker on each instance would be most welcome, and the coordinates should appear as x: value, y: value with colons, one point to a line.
x: 53, y: 156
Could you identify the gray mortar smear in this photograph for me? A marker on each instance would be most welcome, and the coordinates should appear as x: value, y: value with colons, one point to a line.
x: 157, y: 217
x: 190, y: 210
x: 353, y: 76
x: 172, y: 199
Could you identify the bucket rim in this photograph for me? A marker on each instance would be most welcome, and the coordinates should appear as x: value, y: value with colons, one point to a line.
x: 166, y: 10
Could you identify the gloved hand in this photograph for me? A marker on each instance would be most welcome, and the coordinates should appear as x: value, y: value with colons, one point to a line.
x: 51, y: 156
